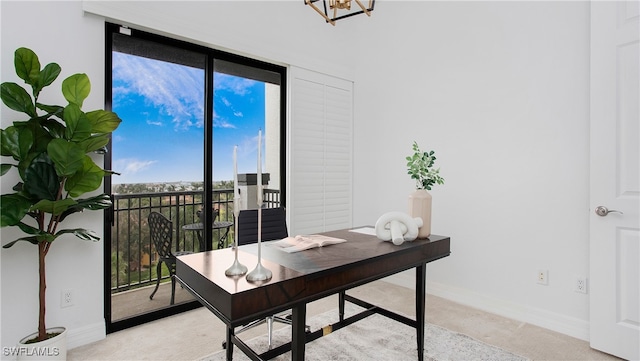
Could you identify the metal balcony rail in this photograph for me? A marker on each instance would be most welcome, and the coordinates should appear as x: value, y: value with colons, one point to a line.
x: 133, y: 256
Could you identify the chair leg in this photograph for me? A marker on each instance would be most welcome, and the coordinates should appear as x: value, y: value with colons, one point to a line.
x: 172, y: 274
x: 173, y: 289
x: 269, y: 321
x: 158, y: 276
x: 270, y: 329
x: 251, y: 325
x: 281, y: 320
x: 286, y: 320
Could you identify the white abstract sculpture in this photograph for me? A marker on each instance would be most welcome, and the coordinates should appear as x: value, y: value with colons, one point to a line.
x: 397, y: 227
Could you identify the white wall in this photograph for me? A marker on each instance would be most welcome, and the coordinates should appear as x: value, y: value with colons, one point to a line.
x: 76, y: 43
x: 74, y: 38
x: 283, y: 32
x: 499, y: 90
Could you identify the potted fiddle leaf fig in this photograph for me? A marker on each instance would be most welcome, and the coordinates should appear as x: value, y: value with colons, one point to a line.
x: 47, y: 151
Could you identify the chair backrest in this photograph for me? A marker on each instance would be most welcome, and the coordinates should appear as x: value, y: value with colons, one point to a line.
x: 161, y: 232
x: 200, y: 215
x: 274, y: 225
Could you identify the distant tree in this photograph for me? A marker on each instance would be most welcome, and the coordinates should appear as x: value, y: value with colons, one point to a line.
x: 118, y: 268
x: 223, y: 185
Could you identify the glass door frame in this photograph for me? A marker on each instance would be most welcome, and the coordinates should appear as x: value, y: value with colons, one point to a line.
x: 109, y: 219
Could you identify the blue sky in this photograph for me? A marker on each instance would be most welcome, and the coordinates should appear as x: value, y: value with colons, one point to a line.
x: 161, y: 137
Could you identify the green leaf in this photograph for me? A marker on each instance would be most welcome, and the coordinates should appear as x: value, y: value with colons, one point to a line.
x: 15, y: 97
x: 94, y: 143
x: 45, y: 78
x: 27, y: 65
x: 67, y: 157
x: 10, y: 142
x: 76, y: 88
x: 13, y: 208
x: 84, y: 234
x: 40, y: 178
x: 41, y: 137
x: 103, y: 121
x: 102, y: 201
x: 49, y: 74
x: 25, y: 143
x: 16, y: 142
x: 53, y: 207
x: 78, y: 125
x: 31, y: 239
x: 87, y: 179
x: 54, y: 129
x: 28, y: 229
x: 4, y: 168
x: 52, y: 110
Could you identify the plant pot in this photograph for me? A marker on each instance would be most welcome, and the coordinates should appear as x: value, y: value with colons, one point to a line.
x: 54, y: 348
x: 420, y: 207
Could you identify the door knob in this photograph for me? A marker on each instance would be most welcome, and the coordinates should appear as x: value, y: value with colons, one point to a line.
x: 602, y: 211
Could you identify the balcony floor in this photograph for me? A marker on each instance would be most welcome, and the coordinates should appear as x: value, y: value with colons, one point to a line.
x: 135, y: 302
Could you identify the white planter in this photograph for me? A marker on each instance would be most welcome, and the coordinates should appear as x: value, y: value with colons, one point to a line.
x: 54, y: 348
x: 420, y: 206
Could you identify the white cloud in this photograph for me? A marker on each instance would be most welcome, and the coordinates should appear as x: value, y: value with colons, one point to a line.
x: 234, y: 84
x: 223, y: 123
x: 131, y: 166
x: 176, y: 90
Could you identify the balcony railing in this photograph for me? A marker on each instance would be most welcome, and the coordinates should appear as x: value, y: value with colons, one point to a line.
x: 133, y: 256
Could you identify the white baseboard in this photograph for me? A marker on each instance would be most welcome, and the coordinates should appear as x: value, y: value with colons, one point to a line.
x: 85, y: 335
x: 566, y: 325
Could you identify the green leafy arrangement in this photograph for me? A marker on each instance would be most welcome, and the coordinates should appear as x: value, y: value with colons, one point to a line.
x: 420, y: 168
x: 50, y: 151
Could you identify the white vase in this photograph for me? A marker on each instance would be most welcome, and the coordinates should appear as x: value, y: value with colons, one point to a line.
x: 420, y: 206
x: 54, y: 348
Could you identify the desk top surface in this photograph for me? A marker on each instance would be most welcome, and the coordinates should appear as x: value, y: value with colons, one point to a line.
x: 302, y: 275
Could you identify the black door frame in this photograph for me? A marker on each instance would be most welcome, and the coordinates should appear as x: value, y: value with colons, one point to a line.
x: 211, y: 55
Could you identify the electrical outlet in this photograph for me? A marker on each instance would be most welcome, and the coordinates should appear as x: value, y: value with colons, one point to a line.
x: 66, y: 298
x: 581, y: 284
x: 543, y: 277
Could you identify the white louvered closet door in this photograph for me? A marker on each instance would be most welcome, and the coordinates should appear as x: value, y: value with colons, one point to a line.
x: 321, y: 139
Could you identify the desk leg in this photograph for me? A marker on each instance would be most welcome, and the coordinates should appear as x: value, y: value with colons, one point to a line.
x: 230, y: 333
x: 341, y: 295
x: 298, y: 336
x: 420, y: 308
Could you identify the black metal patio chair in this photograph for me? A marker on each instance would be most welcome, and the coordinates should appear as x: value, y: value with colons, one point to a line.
x: 161, y: 232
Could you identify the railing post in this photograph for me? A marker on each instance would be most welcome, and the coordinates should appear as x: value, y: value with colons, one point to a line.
x: 177, y: 223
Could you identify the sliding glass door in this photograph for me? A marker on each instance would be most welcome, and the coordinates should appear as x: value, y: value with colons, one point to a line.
x: 184, y: 109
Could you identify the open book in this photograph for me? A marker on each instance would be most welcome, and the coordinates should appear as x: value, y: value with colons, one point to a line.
x: 300, y: 243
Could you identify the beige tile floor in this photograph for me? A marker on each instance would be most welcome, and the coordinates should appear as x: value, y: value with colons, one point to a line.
x: 197, y: 333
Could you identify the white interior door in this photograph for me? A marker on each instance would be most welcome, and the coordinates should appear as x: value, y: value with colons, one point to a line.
x: 615, y: 180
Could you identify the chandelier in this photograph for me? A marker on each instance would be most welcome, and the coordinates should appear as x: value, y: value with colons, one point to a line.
x: 331, y: 14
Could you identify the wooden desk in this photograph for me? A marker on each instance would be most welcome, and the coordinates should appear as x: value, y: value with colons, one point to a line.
x: 303, y: 277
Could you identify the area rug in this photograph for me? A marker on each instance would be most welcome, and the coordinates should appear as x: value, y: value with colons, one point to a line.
x: 377, y: 338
